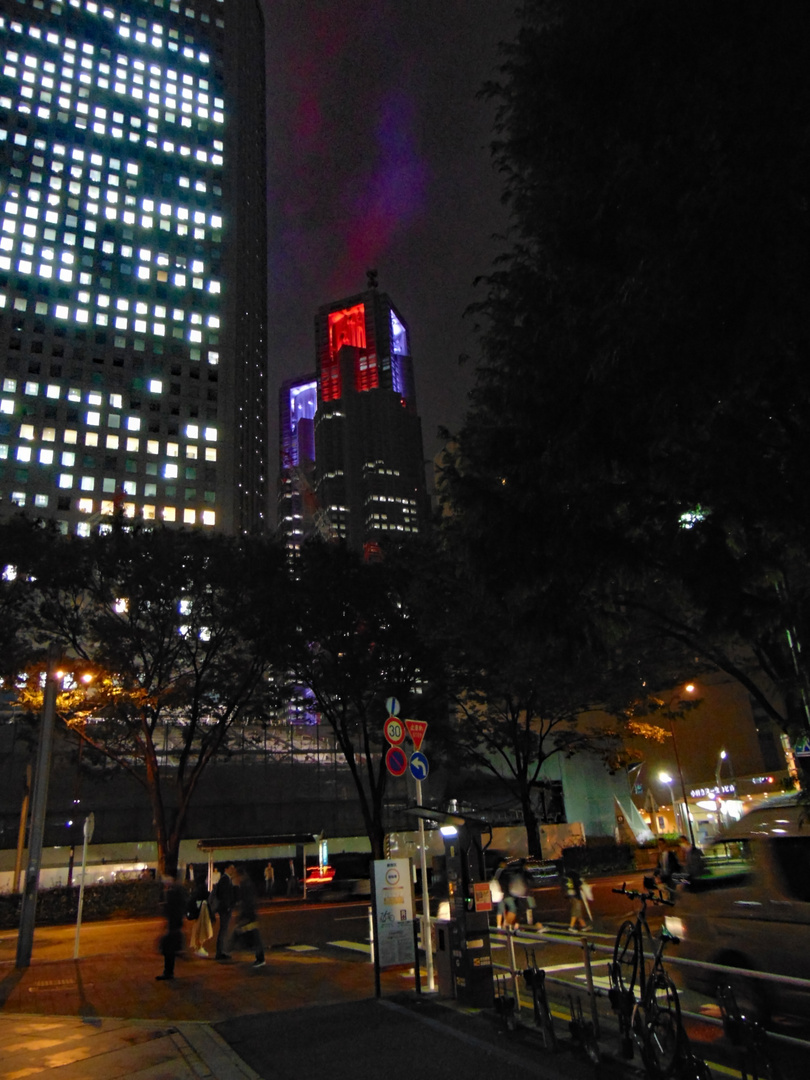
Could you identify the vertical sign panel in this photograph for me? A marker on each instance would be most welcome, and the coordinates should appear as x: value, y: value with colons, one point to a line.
x: 394, y: 905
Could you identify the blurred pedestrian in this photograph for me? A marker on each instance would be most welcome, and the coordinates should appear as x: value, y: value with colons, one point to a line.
x: 174, y: 904
x: 248, y: 921
x: 292, y: 880
x: 224, y: 902
x: 692, y: 860
x: 577, y: 891
x: 269, y: 879
x: 668, y: 865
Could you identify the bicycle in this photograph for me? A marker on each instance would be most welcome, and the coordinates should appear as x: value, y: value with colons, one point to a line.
x: 535, y: 978
x: 652, y: 1017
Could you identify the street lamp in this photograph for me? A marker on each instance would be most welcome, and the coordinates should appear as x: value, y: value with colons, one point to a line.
x: 665, y: 778
x: 721, y: 757
x: 690, y: 689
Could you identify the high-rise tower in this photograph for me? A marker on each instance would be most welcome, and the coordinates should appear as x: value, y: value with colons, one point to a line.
x: 133, y: 262
x: 369, y: 460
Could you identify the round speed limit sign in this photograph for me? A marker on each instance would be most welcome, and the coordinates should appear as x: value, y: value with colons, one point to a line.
x: 394, y: 730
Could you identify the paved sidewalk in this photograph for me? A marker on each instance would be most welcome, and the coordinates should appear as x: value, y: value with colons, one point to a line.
x: 307, y: 1014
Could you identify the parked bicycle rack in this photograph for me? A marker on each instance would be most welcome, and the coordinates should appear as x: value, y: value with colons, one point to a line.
x: 534, y: 940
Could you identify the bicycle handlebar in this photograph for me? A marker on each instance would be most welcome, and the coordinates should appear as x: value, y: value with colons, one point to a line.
x: 649, y: 895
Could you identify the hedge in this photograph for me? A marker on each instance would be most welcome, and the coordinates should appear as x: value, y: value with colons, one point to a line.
x: 60, y: 905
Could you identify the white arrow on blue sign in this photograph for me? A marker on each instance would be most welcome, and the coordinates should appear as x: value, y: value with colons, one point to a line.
x: 419, y: 765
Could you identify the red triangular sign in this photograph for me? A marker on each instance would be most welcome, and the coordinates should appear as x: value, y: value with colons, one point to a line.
x: 416, y: 730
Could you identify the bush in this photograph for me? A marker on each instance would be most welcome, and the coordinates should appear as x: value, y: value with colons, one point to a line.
x: 125, y: 899
x: 599, y: 855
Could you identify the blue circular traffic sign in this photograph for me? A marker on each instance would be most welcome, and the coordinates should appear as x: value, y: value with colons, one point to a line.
x: 419, y: 765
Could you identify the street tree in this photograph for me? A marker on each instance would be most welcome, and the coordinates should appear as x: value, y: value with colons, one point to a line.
x: 356, y: 643
x: 169, y: 639
x: 639, y: 422
x: 529, y: 681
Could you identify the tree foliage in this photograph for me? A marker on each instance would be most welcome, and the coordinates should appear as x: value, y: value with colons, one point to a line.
x: 169, y: 639
x: 356, y: 643
x: 645, y: 336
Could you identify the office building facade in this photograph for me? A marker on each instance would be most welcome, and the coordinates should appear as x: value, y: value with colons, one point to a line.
x: 133, y: 262
x: 369, y: 460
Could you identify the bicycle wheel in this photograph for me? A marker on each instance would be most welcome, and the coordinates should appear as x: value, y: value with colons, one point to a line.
x: 625, y: 958
x: 662, y: 1033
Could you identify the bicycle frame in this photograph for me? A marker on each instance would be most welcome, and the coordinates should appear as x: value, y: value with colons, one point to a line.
x: 652, y: 1019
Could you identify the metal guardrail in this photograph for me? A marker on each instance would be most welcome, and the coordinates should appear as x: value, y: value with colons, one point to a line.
x: 588, y: 946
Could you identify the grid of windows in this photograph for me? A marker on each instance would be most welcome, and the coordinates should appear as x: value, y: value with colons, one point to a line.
x: 112, y: 225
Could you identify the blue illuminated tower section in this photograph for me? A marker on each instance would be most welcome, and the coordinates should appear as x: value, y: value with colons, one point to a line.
x: 132, y: 262
x: 368, y: 435
x: 297, y: 506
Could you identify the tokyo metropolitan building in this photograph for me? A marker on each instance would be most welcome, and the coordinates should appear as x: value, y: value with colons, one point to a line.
x: 133, y: 262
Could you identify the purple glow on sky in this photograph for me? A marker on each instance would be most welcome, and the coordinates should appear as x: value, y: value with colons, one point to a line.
x: 379, y: 158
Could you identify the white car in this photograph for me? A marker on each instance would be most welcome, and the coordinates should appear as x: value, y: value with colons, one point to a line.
x: 750, y: 909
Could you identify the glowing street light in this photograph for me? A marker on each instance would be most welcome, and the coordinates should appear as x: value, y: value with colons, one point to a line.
x: 689, y: 688
x: 665, y: 778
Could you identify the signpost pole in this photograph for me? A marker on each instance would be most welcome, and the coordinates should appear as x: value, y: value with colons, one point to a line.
x: 427, y: 935
x: 89, y: 823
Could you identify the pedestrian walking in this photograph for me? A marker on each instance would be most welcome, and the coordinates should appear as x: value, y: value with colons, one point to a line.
x: 269, y: 879
x: 174, y: 904
x: 577, y: 890
x: 668, y: 866
x: 248, y: 921
x: 292, y: 880
x: 224, y: 891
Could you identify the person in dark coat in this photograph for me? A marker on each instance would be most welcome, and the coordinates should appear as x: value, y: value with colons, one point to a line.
x: 225, y: 901
x: 174, y: 908
x: 248, y: 923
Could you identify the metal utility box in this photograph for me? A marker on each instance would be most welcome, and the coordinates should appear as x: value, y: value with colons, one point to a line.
x: 471, y: 957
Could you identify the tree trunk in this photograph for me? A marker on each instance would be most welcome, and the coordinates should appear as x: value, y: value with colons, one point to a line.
x: 532, y: 827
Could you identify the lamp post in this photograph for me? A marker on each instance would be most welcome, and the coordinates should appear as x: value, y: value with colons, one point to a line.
x: 721, y: 757
x: 39, y: 803
x: 665, y: 778
x: 690, y: 689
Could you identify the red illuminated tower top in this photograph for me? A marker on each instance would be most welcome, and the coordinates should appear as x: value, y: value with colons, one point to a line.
x: 370, y: 324
x: 368, y: 437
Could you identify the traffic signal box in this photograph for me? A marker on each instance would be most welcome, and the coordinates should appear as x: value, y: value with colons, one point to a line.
x: 471, y: 958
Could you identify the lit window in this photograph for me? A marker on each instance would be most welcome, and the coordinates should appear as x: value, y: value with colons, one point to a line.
x: 156, y: 386
x: 133, y: 423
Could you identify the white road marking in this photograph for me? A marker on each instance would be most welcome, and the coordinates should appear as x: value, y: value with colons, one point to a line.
x: 358, y: 946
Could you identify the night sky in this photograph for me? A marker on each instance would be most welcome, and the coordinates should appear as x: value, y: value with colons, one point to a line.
x: 379, y: 157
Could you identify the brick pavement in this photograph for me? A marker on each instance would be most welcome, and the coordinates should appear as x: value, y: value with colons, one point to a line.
x: 311, y: 1013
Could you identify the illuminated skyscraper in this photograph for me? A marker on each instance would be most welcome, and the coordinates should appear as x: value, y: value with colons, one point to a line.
x: 132, y: 262
x: 297, y: 503
x: 369, y: 461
